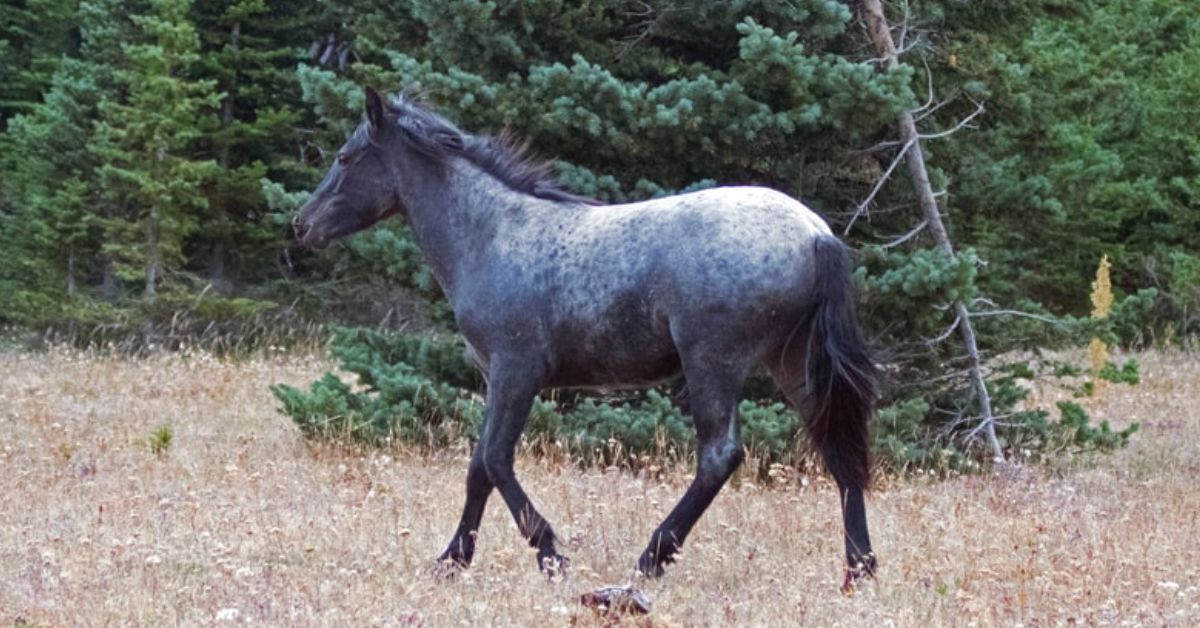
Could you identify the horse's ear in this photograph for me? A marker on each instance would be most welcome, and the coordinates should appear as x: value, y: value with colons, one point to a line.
x: 374, y: 108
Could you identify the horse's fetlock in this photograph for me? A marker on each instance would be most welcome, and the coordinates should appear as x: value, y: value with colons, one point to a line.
x: 460, y: 553
x: 859, y: 568
x: 650, y: 566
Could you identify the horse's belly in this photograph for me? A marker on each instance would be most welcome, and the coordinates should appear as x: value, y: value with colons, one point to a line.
x: 635, y: 356
x: 604, y: 372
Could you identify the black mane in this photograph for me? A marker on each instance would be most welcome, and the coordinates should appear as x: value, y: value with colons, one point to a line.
x: 503, y: 156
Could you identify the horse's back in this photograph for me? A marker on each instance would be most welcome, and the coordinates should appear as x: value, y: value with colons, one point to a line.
x: 731, y: 242
x: 750, y: 206
x: 735, y: 262
x: 714, y: 224
x: 734, y: 243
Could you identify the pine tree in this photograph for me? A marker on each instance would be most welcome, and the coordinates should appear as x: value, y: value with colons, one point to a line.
x: 34, y: 34
x: 250, y: 48
x: 45, y: 221
x: 145, y: 138
x: 1087, y: 141
x: 614, y: 94
x: 49, y: 236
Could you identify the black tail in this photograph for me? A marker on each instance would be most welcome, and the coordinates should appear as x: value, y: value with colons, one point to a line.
x: 841, y: 376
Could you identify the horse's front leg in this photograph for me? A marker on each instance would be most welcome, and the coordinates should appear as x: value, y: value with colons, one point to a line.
x: 512, y: 386
x: 461, y: 549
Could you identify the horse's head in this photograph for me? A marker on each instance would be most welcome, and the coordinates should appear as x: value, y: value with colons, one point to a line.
x: 360, y: 188
x: 389, y: 163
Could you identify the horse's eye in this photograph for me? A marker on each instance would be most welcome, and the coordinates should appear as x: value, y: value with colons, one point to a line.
x: 343, y: 158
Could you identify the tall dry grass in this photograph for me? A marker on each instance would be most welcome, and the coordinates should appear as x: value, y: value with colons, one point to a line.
x: 239, y: 521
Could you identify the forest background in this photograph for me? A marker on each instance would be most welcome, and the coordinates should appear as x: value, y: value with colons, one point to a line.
x: 152, y: 154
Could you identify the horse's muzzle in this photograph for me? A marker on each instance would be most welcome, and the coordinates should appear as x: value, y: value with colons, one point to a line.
x: 304, y: 225
x: 312, y: 240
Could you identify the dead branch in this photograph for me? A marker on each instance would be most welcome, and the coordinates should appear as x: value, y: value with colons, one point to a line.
x: 934, y: 109
x: 979, y: 108
x: 908, y: 236
x: 648, y: 17
x: 882, y: 37
x: 946, y: 334
x: 1036, y: 317
x: 922, y: 112
x: 928, y: 86
x: 862, y: 207
x: 874, y: 148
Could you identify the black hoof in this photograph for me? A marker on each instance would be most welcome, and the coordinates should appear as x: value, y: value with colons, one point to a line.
x: 651, y: 567
x: 553, y: 564
x: 447, y: 569
x: 862, y: 569
x: 455, y: 559
x: 455, y: 554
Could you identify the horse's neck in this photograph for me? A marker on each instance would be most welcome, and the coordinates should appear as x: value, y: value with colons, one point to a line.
x: 454, y: 217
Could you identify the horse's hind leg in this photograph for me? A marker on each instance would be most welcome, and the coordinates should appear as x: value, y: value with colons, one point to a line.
x: 512, y: 385
x: 788, y: 373
x: 713, y: 389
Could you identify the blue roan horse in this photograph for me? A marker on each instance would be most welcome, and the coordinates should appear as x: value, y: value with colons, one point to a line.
x: 552, y: 290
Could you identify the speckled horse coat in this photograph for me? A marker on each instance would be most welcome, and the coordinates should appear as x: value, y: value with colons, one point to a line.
x: 552, y: 290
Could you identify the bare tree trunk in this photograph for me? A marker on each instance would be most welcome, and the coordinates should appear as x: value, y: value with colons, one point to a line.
x: 108, y: 281
x: 217, y: 257
x: 881, y: 36
x: 235, y: 34
x: 152, y: 261
x: 71, y: 272
x: 218, y: 254
x: 109, y: 287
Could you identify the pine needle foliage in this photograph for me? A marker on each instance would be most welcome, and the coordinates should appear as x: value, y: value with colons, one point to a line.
x: 154, y: 150
x: 419, y: 390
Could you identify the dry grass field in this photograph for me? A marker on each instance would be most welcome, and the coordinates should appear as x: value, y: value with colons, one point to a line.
x: 239, y: 521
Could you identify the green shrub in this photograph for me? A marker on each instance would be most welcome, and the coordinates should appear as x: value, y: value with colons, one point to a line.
x: 159, y: 440
x: 420, y: 390
x: 1076, y: 431
x: 409, y: 388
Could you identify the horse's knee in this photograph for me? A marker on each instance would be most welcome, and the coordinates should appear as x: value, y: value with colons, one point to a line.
x: 734, y: 459
x: 478, y: 480
x: 720, y: 459
x: 498, y: 466
x: 739, y: 456
x: 731, y: 456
